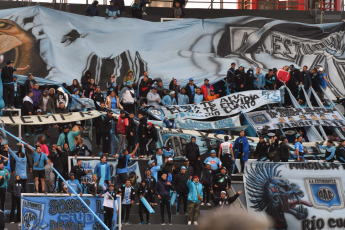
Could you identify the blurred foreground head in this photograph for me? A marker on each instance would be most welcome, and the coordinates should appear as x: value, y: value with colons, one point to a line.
x: 235, y: 220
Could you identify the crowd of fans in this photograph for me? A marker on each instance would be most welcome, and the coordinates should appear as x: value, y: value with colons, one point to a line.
x: 197, y: 182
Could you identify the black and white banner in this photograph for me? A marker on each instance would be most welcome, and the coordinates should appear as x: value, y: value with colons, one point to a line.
x: 281, y: 118
x: 224, y: 106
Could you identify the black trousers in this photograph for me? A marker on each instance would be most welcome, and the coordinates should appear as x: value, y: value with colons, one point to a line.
x: 165, y: 202
x: 8, y: 94
x: 108, y: 217
x: 15, y: 205
x: 182, y: 197
x: 142, y: 209
x: 207, y: 189
x: 99, y: 135
x: 126, y: 209
x: 227, y: 162
x: 106, y: 143
x: 24, y: 185
x: 196, y: 167
x: 284, y: 159
x: 2, y: 198
x: 122, y: 178
x: 142, y: 146
x: 129, y: 108
x: 130, y: 143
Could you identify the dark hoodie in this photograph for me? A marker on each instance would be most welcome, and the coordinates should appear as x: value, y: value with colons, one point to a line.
x: 142, y: 130
x: 240, y: 79
x: 145, y: 192
x: 180, y: 182
x: 144, y: 87
x: 261, y: 150
x: 16, y: 188
x: 92, y: 10
x: 163, y: 189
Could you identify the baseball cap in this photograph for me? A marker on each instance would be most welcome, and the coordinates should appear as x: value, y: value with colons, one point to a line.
x: 191, y: 79
x: 206, y: 79
x: 213, y: 151
x: 223, y: 168
x: 9, y: 62
x: 208, y: 163
x: 195, y: 177
x: 320, y: 69
x: 171, y: 93
x: 71, y: 174
x: 170, y: 159
x: 39, y: 111
x: 183, y: 167
x: 223, y: 192
x: 149, y: 124
x: 186, y: 159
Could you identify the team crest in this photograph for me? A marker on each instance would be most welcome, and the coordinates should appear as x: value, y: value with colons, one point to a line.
x: 32, y: 214
x: 325, y: 193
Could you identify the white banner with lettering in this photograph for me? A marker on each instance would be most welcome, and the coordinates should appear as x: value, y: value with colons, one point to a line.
x: 281, y: 118
x: 298, y: 196
x: 224, y: 106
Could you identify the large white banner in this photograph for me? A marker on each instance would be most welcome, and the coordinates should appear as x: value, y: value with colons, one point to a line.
x: 281, y: 118
x: 50, y: 118
x: 298, y: 196
x: 225, y: 106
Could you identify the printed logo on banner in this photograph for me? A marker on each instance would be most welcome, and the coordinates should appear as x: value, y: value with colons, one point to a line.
x: 273, y: 95
x: 325, y: 193
x: 32, y: 214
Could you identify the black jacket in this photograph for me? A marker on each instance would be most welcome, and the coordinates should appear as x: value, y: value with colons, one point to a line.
x: 180, y: 183
x: 27, y: 107
x: 315, y: 82
x: 97, y: 97
x: 163, y: 189
x: 92, y: 189
x: 340, y: 152
x: 218, y: 201
x: 250, y: 80
x: 230, y: 76
x: 261, y: 150
x: 132, y: 128
x: 222, y: 181
x: 27, y: 85
x: 92, y: 10
x: 189, y: 93
x: 167, y: 168
x: 145, y: 87
x: 207, y: 177
x: 99, y: 120
x: 306, y: 78
x: 240, y: 78
x: 60, y: 160
x: 122, y: 191
x: 16, y: 188
x: 142, y: 130
x: 192, y: 152
x: 284, y: 150
x: 152, y: 133
x: 78, y: 172
x: 107, y: 124
x: 150, y: 182
x: 145, y: 192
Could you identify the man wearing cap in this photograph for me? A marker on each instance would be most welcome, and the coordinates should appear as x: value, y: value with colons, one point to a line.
x: 169, y: 99
x: 74, y: 184
x: 222, y: 181
x: 192, y: 152
x: 195, y: 196
x: 206, y: 88
x: 230, y: 77
x: 240, y: 79
x: 92, y: 10
x: 180, y: 185
x: 7, y: 82
x: 46, y: 103
x: 152, y: 138
x: 127, y: 97
x: 190, y: 90
x: 153, y: 98
x: 215, y: 162
x: 323, y: 81
x: 224, y: 201
x: 29, y: 83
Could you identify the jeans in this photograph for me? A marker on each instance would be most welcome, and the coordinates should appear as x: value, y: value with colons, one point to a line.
x: 193, y: 210
x: 165, y: 202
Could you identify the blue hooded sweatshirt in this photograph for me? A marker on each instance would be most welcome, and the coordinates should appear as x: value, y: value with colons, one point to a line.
x: 20, y: 168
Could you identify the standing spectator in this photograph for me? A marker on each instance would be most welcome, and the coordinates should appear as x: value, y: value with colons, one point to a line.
x: 112, y: 10
x: 49, y: 176
x: 78, y: 170
x: 99, y: 126
x: 62, y: 97
x: 21, y: 162
x: 4, y: 178
x: 90, y: 89
x: 75, y: 85
x: 145, y: 86
x: 46, y: 103
x: 195, y: 196
x: 39, y: 173
x: 214, y: 161
x: 192, y: 152
x: 230, y: 78
x: 241, y: 150
x: 92, y: 10
x: 212, y: 96
x: 315, y: 79
x: 168, y: 151
x: 74, y: 184
x: 207, y: 181
x: 28, y: 109
x: 189, y: 169
x: 98, y: 96
x: 68, y: 137
x: 198, y: 97
x: 102, y: 170
x: 150, y: 182
x: 306, y: 82
x: 127, y: 97
x: 206, y: 88
x: 340, y: 152
x: 330, y: 151
x: 190, y: 90
x: 283, y: 76
x: 37, y: 94
x: 129, y: 77
x: 42, y: 143
x: 250, y: 79
x: 260, y: 79
x: 299, y: 150
x: 240, y: 79
x: 122, y: 169
x: 173, y: 86
x: 85, y: 79
x: 142, y: 133
x: 128, y: 195
x: 222, y: 182
x: 284, y: 150
x: 81, y: 148
x: 223, y: 200
x: 108, y: 204
x: 111, y: 85
x: 163, y: 193
x: 121, y: 130
x: 270, y: 80
x: 29, y: 83
x: 261, y: 150
x: 52, y: 94
x: 7, y: 82
x: 226, y: 154
x: 154, y: 169
x: 17, y: 92
x: 159, y: 158
x: 143, y: 191
x: 178, y: 11
x: 93, y: 187
x: 152, y: 138
x: 153, y: 98
x: 183, y: 99
x: 60, y: 161
x: 180, y: 185
x: 112, y: 101
x: 169, y: 100
x: 131, y: 133
x: 16, y: 188
x: 323, y: 81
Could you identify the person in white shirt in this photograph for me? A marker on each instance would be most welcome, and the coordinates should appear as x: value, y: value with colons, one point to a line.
x: 153, y: 98
x: 108, y: 204
x: 226, y: 154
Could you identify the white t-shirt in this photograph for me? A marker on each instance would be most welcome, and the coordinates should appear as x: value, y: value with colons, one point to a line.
x: 225, y: 147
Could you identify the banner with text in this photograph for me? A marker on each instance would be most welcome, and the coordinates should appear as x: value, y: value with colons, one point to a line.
x: 50, y: 118
x: 297, y: 195
x: 66, y: 212
x: 281, y: 118
x: 224, y: 106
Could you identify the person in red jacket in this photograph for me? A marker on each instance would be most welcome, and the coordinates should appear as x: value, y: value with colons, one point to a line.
x: 206, y: 88
x: 122, y: 128
x: 283, y: 76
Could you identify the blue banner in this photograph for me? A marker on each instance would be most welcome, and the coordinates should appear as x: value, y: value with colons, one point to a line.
x: 67, y: 212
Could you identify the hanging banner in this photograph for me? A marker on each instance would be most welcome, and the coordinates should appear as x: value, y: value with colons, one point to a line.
x: 62, y: 212
x: 50, y: 118
x: 90, y: 163
x: 225, y: 106
x: 282, y: 118
x: 3, y: 135
x: 227, y: 123
x: 298, y: 196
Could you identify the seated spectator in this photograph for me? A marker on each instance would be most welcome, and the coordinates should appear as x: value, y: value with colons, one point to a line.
x: 112, y: 10
x: 92, y: 10
x: 182, y: 98
x: 29, y: 83
x: 212, y: 96
x: 97, y: 96
x: 129, y: 77
x: 74, y: 184
x: 112, y: 101
x: 153, y: 98
x: 111, y: 85
x: 198, y: 97
x: 93, y: 187
x: 81, y: 148
x: 137, y: 9
x: 75, y: 85
x: 169, y: 100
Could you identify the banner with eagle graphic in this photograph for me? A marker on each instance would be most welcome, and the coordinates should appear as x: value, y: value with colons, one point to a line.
x: 297, y: 196
x: 62, y: 46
